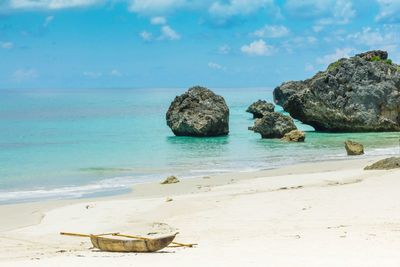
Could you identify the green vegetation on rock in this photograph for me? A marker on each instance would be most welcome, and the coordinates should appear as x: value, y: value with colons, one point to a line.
x: 378, y: 59
x: 333, y: 65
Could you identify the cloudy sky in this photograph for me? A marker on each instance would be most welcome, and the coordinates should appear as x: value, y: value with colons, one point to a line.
x: 179, y: 43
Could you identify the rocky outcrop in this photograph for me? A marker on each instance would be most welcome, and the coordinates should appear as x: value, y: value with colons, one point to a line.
x: 358, y: 94
x: 273, y: 125
x: 372, y: 55
x: 294, y: 136
x: 260, y: 108
x: 385, y: 164
x: 353, y: 148
x: 198, y: 112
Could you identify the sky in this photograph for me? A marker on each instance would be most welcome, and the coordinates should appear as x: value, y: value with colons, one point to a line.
x: 182, y: 43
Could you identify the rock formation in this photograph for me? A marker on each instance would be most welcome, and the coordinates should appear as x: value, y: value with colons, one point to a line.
x: 273, y: 125
x: 260, y: 108
x: 294, y: 136
x: 198, y: 112
x: 353, y: 148
x: 385, y: 164
x: 372, y: 55
x: 358, y: 94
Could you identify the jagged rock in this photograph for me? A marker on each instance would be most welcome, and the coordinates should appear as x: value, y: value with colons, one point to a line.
x: 170, y: 180
x: 385, y: 164
x: 353, y: 148
x: 294, y: 136
x: 260, y: 108
x: 370, y: 55
x: 198, y: 112
x: 358, y: 94
x: 273, y: 125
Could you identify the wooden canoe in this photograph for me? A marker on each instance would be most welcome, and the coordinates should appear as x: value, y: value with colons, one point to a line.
x: 131, y: 245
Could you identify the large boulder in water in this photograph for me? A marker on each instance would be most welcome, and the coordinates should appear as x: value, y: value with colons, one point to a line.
x: 198, y: 112
x: 353, y: 148
x: 273, y: 125
x: 294, y: 136
x: 260, y: 108
x: 358, y: 94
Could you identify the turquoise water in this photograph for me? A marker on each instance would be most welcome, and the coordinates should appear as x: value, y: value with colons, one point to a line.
x: 78, y: 143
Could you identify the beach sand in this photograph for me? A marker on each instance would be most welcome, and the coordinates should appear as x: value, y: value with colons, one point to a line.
x: 316, y: 214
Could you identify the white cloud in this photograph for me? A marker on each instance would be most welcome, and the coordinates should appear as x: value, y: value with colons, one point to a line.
x: 377, y: 38
x: 338, y: 54
x: 309, y: 67
x: 227, y: 9
x: 92, y: 74
x: 311, y: 39
x: 168, y: 33
x: 158, y: 21
x: 325, y: 12
x: 51, y: 4
x: 215, y: 66
x: 385, y: 38
x: 48, y: 20
x: 308, y: 8
x: 115, y: 73
x: 389, y: 11
x: 317, y: 28
x: 149, y: 7
x: 144, y: 7
x: 22, y: 75
x: 272, y: 31
x: 258, y: 48
x: 147, y: 36
x: 224, y: 49
x: 6, y: 45
x: 342, y: 13
x: 299, y: 42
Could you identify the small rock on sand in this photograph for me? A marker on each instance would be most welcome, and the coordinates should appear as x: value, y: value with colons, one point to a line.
x: 385, y: 164
x: 170, y: 180
x: 168, y: 199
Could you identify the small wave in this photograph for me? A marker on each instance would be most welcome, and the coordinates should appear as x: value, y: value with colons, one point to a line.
x: 105, y: 169
x: 210, y: 171
x: 387, y: 151
x: 104, y: 187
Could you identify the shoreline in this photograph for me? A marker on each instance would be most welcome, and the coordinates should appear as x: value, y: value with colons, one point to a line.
x: 328, y: 194
x: 36, y: 210
x: 121, y: 189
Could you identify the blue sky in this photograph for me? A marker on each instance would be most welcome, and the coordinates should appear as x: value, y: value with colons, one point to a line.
x: 180, y: 43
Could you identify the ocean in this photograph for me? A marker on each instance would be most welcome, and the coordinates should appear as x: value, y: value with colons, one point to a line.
x: 57, y: 144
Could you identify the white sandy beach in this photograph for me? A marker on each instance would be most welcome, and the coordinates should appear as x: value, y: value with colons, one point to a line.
x: 319, y: 214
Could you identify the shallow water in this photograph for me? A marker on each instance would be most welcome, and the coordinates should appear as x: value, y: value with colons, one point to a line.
x: 75, y: 143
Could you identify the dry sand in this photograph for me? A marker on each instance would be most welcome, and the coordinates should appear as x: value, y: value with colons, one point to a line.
x: 320, y: 214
